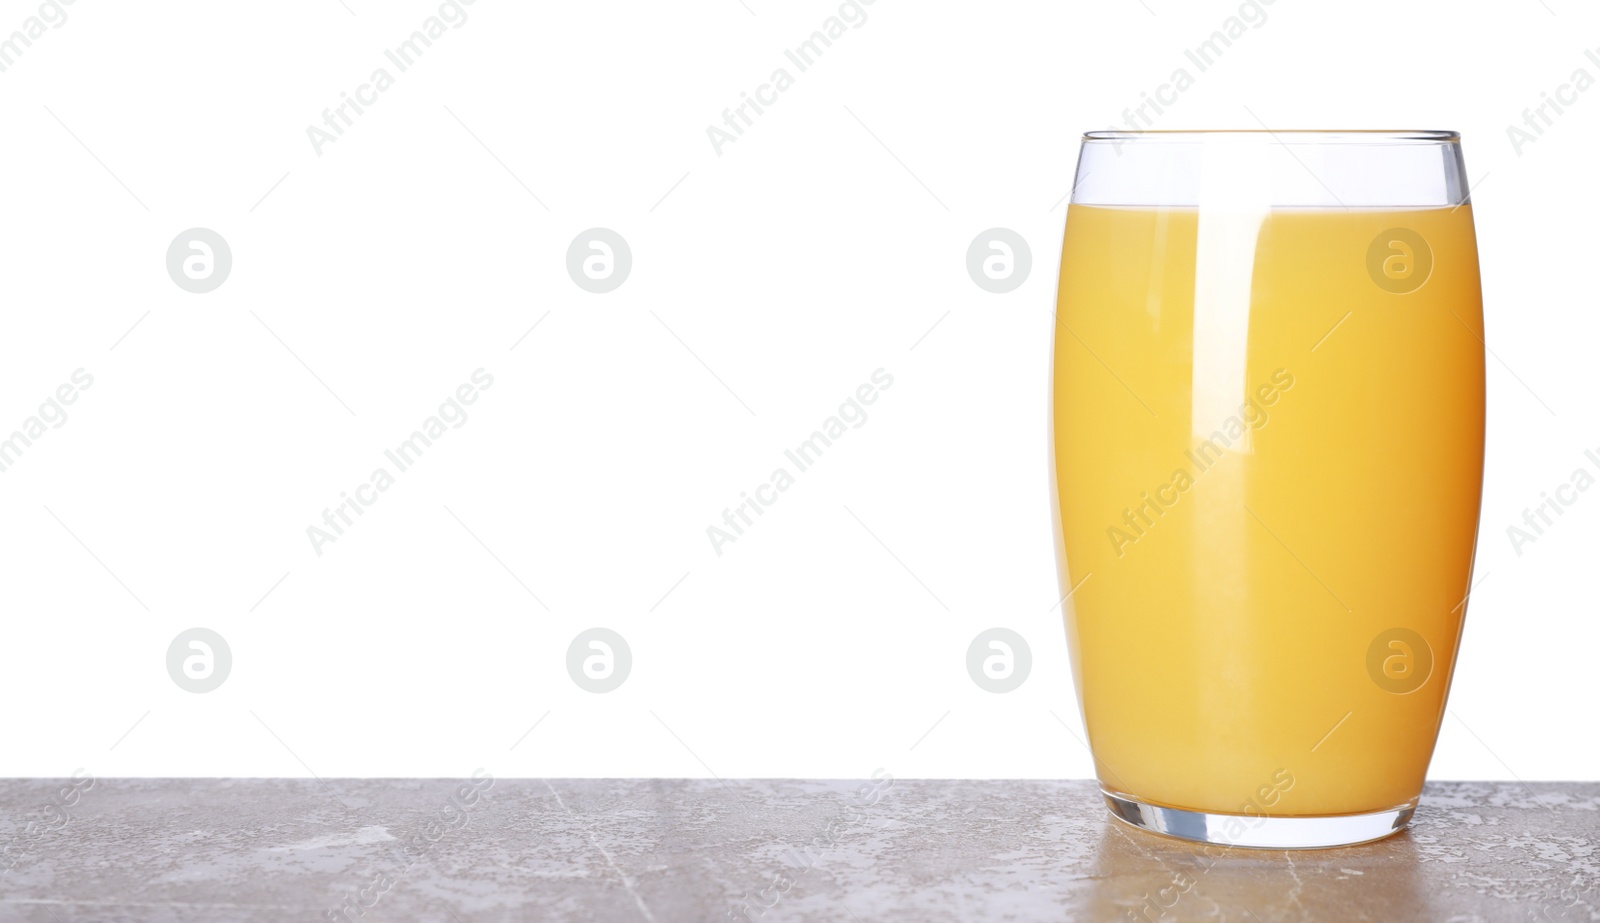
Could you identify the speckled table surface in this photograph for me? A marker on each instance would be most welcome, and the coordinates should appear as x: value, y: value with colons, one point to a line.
x: 484, y: 849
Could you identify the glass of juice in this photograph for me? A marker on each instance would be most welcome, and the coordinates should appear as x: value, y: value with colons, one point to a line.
x: 1267, y: 433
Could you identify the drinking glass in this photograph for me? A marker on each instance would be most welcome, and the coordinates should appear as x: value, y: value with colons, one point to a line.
x: 1267, y: 433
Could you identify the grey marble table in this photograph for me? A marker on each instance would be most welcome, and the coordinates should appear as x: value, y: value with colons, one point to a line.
x: 480, y: 850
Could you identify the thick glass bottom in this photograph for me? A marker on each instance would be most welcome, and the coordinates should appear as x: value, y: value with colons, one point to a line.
x: 1257, y: 831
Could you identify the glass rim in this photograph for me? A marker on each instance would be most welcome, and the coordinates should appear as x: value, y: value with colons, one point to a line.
x: 1295, y: 136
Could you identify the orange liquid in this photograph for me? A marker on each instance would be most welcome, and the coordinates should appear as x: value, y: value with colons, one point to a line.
x: 1248, y: 501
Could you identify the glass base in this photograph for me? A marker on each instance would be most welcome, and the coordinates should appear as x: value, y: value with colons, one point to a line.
x: 1257, y: 831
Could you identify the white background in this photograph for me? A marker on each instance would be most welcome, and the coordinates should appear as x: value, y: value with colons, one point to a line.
x: 820, y: 247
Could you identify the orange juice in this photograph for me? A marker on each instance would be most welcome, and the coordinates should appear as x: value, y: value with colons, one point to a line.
x: 1268, y: 437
